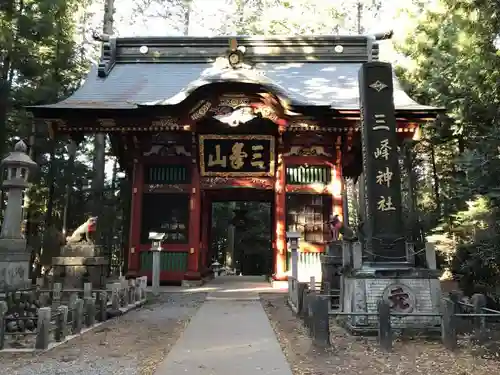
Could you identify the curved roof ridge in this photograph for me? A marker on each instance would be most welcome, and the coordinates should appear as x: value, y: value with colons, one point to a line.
x: 214, y: 75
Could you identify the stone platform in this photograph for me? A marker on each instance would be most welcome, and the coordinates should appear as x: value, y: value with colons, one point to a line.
x: 78, y: 264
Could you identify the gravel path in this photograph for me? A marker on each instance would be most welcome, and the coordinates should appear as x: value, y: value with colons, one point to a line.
x: 355, y: 355
x: 133, y: 344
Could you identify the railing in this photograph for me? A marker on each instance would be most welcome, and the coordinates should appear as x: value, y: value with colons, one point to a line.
x: 314, y: 307
x: 52, y: 315
x: 309, y: 264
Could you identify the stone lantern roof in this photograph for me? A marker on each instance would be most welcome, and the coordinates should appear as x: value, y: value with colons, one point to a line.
x: 15, y: 162
x: 19, y: 157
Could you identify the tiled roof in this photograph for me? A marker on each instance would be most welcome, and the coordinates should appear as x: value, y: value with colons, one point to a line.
x: 314, y: 71
x: 129, y: 85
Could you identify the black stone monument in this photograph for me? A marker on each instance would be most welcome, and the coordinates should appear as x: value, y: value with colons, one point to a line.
x: 383, y: 224
x: 388, y: 277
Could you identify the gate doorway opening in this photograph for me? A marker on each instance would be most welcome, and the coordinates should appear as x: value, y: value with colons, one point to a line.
x: 241, y: 234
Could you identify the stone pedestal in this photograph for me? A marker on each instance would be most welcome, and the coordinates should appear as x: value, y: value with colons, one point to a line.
x: 407, y: 290
x: 14, y: 265
x: 331, y: 266
x: 77, y: 265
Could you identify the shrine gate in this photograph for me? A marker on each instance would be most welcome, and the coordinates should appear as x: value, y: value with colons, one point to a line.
x: 195, y: 120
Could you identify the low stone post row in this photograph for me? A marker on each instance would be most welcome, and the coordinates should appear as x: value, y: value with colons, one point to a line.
x: 449, y: 321
x: 79, y: 313
x: 312, y: 308
x: 128, y: 292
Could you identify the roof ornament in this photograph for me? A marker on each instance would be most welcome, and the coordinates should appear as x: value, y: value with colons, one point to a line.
x: 235, y: 54
x: 238, y: 116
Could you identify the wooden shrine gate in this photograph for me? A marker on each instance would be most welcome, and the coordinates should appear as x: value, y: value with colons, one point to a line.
x: 195, y: 120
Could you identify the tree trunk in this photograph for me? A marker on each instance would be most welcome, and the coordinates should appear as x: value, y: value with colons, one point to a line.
x: 72, y: 148
x: 9, y: 10
x: 240, y: 14
x: 100, y: 140
x: 435, y: 180
x: 51, y: 185
x: 187, y: 15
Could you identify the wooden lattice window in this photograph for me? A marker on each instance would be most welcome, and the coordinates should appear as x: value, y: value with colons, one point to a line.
x: 308, y: 174
x: 167, y: 174
x: 308, y: 215
x: 165, y: 213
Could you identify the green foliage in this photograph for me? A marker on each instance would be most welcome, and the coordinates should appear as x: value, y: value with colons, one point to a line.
x: 41, y: 64
x: 455, y: 65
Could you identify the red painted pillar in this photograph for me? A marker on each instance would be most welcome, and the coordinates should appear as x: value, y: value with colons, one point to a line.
x: 336, y: 191
x: 280, y: 220
x: 337, y: 183
x: 193, y: 272
x: 135, y: 217
x: 205, y: 229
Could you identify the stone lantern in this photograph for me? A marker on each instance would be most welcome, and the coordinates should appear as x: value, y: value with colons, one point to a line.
x: 14, y: 256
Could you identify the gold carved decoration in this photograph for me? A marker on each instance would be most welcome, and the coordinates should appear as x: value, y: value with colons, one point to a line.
x: 308, y: 151
x: 164, y: 188
x: 168, y: 123
x: 107, y: 122
x: 262, y: 183
x: 267, y: 112
x: 200, y: 110
x: 234, y: 173
x: 164, y: 121
x: 234, y: 102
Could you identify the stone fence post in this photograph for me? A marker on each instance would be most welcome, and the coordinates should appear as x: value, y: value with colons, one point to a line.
x: 87, y: 290
x: 312, y: 284
x: 448, y: 325
x: 479, y: 303
x: 89, y: 305
x: 131, y: 290
x: 61, y: 323
x: 320, y: 321
x: 143, y: 283
x: 138, y: 294
x: 115, y: 296
x: 384, y: 326
x: 3, y: 312
x: 56, y: 295
x: 43, y: 328
x: 125, y: 293
x: 103, y: 306
x: 78, y: 316
x: 71, y: 309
